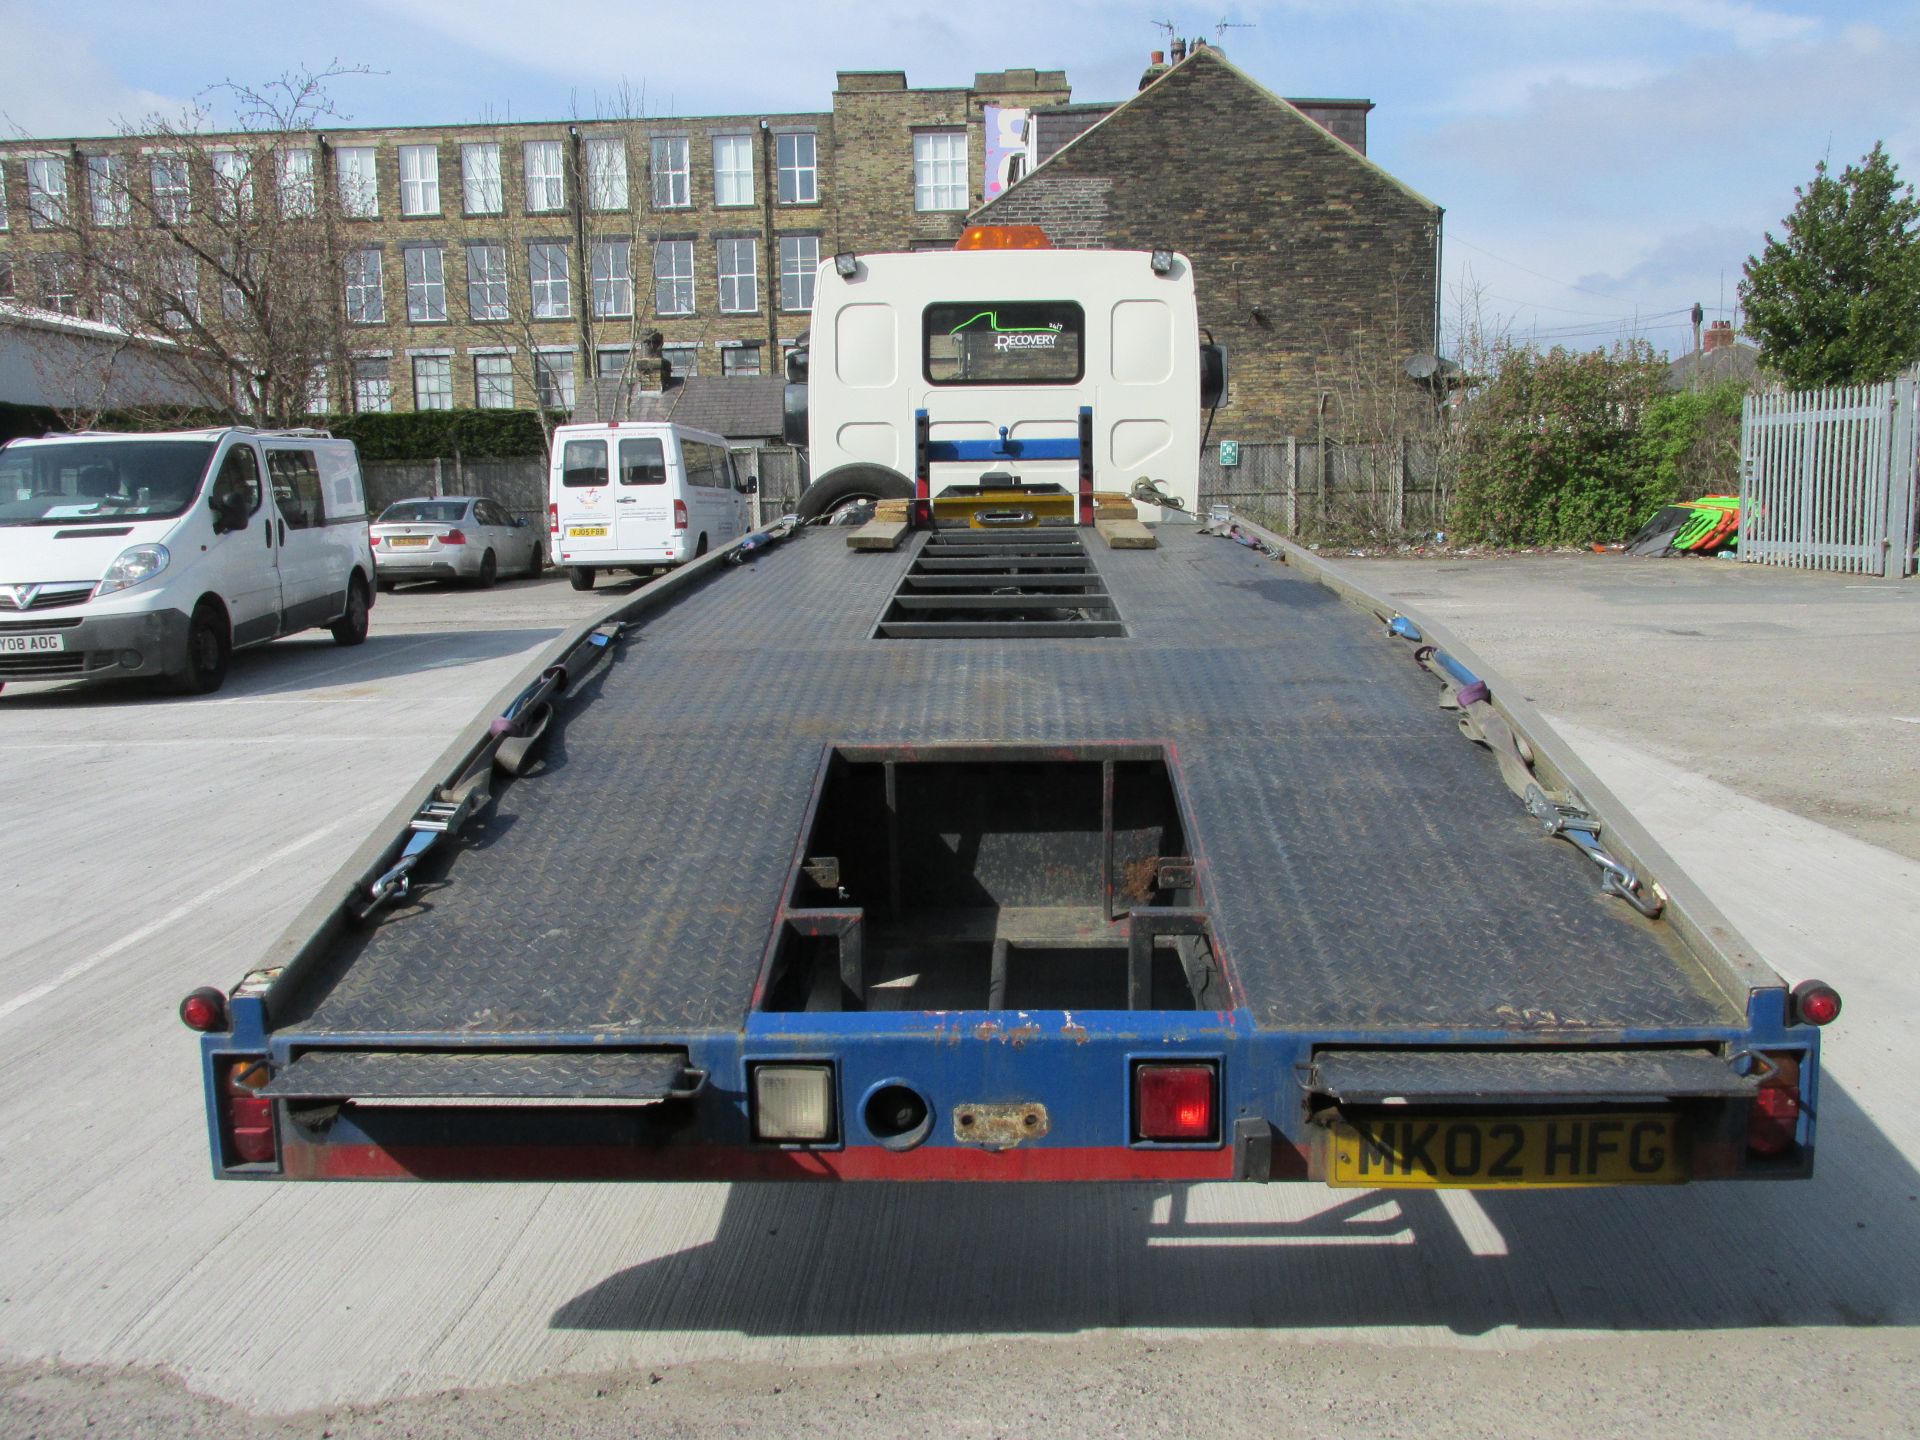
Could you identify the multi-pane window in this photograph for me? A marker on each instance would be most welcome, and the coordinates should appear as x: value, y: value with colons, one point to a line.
x: 46, y: 192
x: 372, y: 385
x: 296, y: 182
x: 799, y: 261
x: 607, y: 174
x: 493, y: 382
x: 55, y: 279
x: 672, y: 188
x: 426, y: 283
x: 480, y: 178
x: 433, y: 382
x: 739, y: 276
x: 107, y: 189
x: 419, y: 179
x: 6, y: 269
x: 553, y: 378
x: 319, y: 393
x: 547, y: 278
x: 546, y: 180
x: 487, y: 282
x: 610, y: 361
x: 940, y: 170
x: 233, y: 183
x: 740, y: 360
x: 366, y: 304
x: 733, y: 169
x: 172, y: 190
x: 799, y: 169
x: 683, y: 360
x: 359, y: 181
x: 179, y: 277
x: 673, y: 277
x: 612, y: 278
x: 233, y: 299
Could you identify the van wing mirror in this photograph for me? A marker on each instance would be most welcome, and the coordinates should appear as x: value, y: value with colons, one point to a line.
x: 229, y: 511
x: 793, y: 413
x: 1213, y: 375
x: 797, y: 364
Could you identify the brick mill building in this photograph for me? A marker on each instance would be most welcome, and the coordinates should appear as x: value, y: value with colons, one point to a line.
x: 496, y: 265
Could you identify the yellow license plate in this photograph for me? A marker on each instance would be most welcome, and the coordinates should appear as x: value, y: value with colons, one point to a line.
x: 1505, y: 1152
x: 583, y: 532
x: 398, y: 541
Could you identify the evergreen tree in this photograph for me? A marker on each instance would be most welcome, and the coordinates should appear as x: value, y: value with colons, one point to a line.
x: 1836, y: 301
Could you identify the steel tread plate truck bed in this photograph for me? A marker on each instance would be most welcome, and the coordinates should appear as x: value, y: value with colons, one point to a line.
x: 1051, y: 907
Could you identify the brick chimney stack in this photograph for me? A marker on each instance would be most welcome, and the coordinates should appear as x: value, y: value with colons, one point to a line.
x: 1719, y: 335
x: 1156, y: 67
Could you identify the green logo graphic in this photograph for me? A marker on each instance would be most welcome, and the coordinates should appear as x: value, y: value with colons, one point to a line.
x: 1014, y: 337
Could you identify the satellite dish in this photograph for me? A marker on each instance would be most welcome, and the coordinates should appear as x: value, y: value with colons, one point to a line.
x: 1422, y: 367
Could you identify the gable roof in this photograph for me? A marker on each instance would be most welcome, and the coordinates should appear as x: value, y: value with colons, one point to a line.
x: 740, y: 407
x: 1208, y: 55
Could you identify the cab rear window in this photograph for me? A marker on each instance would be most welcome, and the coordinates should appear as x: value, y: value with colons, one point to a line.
x: 583, y: 463
x: 1003, y: 342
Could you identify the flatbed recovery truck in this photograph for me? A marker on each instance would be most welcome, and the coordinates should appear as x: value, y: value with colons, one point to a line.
x: 1006, y: 855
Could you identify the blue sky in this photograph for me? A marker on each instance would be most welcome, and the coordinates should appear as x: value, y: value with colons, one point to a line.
x: 1603, y: 163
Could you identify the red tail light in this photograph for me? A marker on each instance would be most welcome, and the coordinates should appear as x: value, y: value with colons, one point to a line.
x: 679, y: 514
x: 1815, y: 1003
x: 454, y: 537
x: 372, y: 539
x: 1775, y: 1116
x: 553, y: 518
x: 246, y: 1117
x: 204, y: 1010
x: 1173, y: 1102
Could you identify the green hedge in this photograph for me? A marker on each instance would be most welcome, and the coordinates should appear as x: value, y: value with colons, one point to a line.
x: 1553, y: 452
x: 431, y: 434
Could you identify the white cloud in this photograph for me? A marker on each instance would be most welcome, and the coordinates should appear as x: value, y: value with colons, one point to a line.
x: 1746, y: 25
x: 773, y: 56
x: 52, y: 84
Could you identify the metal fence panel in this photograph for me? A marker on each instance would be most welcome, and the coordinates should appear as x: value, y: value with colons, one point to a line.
x: 1827, y: 478
x: 519, y: 485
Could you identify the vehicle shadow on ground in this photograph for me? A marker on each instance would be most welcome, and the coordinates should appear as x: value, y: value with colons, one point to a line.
x: 287, y: 668
x: 1841, y: 1249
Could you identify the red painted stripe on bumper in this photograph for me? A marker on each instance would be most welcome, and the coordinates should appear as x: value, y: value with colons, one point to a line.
x: 616, y: 1162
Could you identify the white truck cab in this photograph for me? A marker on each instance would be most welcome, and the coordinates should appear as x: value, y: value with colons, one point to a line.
x: 641, y: 496
x: 143, y: 555
x: 994, y: 366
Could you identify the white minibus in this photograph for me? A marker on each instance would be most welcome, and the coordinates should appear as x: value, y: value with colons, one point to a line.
x: 641, y: 496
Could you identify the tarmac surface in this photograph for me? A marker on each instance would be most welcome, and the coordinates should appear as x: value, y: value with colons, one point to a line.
x: 155, y: 844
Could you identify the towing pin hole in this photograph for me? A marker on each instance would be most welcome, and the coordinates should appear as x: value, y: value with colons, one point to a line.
x: 898, y: 1116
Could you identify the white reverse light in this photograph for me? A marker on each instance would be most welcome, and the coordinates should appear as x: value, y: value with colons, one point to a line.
x: 793, y: 1102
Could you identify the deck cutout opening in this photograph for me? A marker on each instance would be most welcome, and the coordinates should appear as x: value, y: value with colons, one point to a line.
x: 994, y: 878
x: 1017, y: 584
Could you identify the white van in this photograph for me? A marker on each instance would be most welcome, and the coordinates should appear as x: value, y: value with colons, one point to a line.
x: 641, y: 496
x: 160, y: 554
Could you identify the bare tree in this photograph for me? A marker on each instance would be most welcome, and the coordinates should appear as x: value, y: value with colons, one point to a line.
x: 226, y: 242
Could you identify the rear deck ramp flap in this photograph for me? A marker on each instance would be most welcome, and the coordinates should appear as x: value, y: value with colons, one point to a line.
x: 1371, y: 1077
x: 481, y: 1076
